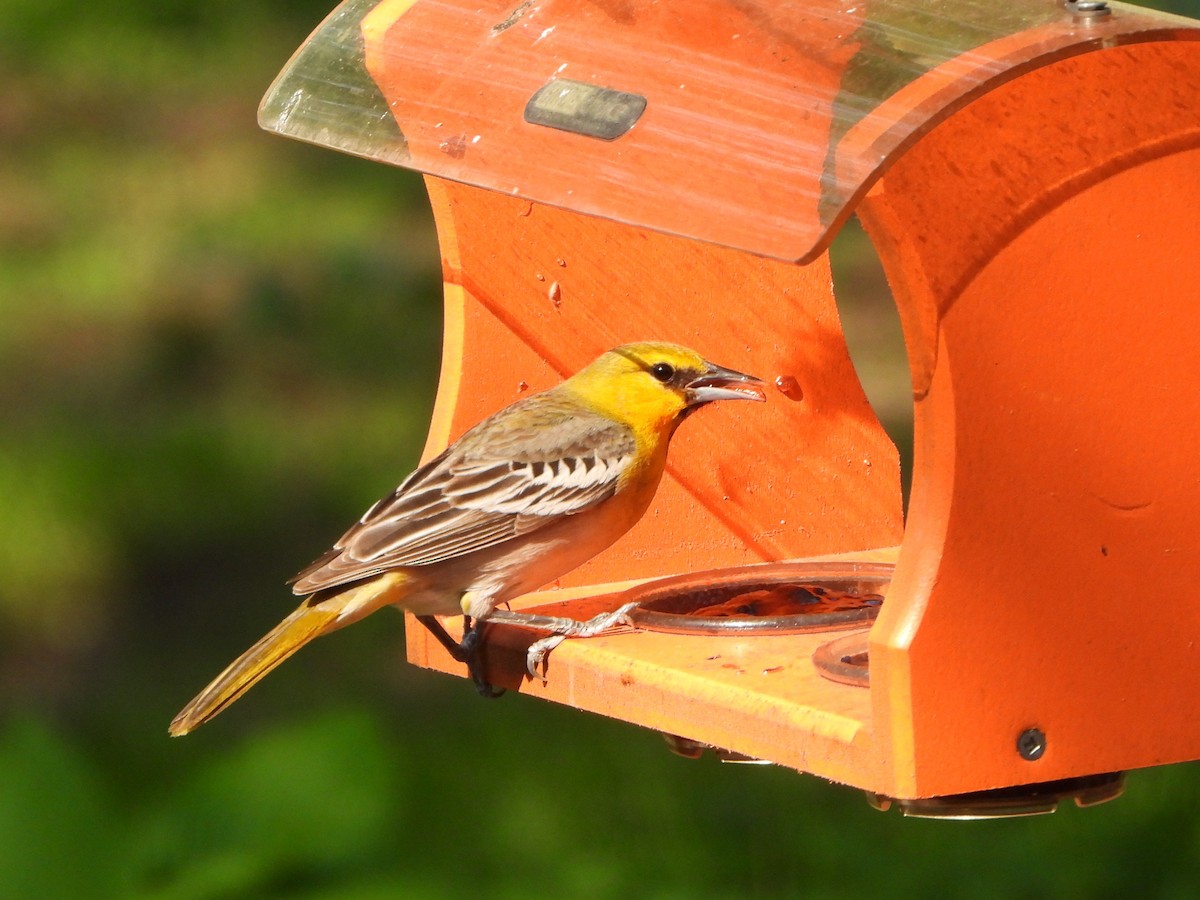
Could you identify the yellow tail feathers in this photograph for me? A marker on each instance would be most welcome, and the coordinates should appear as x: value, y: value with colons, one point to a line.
x: 247, y: 670
x: 312, y: 619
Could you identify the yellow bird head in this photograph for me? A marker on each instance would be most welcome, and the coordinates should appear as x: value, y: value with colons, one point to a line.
x: 655, y: 385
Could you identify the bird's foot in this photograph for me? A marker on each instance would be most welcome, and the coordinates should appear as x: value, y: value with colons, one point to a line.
x: 472, y: 644
x: 560, y: 627
x: 465, y: 651
x: 535, y: 657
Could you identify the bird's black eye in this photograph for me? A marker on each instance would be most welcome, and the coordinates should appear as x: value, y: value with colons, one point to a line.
x: 664, y: 372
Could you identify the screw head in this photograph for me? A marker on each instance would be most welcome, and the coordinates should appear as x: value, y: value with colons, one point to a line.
x: 1031, y: 744
x: 1087, y: 11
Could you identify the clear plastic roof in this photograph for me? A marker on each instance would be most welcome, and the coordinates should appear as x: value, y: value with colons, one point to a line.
x: 753, y: 124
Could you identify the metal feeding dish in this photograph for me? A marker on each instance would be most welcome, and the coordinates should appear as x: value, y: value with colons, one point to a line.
x: 1022, y: 800
x: 778, y: 598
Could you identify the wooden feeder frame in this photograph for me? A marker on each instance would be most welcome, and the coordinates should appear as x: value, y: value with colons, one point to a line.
x: 1036, y: 207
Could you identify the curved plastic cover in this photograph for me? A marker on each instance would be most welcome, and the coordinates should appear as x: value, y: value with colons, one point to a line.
x: 753, y: 124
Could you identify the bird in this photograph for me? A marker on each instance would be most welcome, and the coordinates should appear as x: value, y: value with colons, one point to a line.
x: 516, y: 502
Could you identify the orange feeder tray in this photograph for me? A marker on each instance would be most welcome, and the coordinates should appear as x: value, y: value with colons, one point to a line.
x: 1029, y: 173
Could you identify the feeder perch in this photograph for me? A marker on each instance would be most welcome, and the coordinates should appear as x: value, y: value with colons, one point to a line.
x: 1029, y: 173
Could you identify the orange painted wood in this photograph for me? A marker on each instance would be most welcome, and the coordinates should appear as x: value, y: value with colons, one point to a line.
x: 806, y: 474
x: 1047, y: 238
x: 1043, y: 247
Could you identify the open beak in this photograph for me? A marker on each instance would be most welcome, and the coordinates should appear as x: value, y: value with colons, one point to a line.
x: 718, y: 383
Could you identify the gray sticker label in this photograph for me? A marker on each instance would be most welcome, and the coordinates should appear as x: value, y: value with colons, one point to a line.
x: 584, y: 109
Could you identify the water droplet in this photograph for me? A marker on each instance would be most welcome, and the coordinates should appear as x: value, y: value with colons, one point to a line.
x: 525, y: 210
x: 540, y: 277
x: 562, y: 262
x: 555, y: 293
x: 789, y: 387
x: 522, y: 387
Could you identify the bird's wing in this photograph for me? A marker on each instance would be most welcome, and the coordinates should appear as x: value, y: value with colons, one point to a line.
x: 498, y: 482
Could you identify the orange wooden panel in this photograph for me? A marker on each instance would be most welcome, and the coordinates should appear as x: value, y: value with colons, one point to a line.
x: 1046, y: 281
x: 1056, y: 491
x: 1062, y: 156
x: 805, y: 474
x: 1055, y: 494
x: 533, y: 293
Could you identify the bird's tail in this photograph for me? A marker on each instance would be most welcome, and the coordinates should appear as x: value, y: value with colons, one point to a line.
x: 314, y: 617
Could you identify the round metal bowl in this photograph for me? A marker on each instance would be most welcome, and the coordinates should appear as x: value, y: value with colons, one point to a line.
x: 778, y: 598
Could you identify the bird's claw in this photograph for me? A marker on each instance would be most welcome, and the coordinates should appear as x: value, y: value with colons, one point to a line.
x: 483, y: 686
x: 536, y: 655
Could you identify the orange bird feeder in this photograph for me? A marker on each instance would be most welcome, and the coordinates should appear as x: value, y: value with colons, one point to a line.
x: 1029, y: 173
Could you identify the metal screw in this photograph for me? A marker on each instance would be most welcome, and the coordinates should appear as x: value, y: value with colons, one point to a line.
x: 1031, y: 744
x: 1085, y: 11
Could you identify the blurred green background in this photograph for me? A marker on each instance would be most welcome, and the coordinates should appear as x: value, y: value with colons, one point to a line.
x: 218, y: 347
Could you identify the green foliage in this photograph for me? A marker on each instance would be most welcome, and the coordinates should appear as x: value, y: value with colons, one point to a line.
x: 449, y: 796
x: 303, y: 804
x: 219, y: 347
x: 58, y: 832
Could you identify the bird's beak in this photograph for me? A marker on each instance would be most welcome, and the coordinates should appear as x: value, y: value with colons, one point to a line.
x: 718, y: 383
